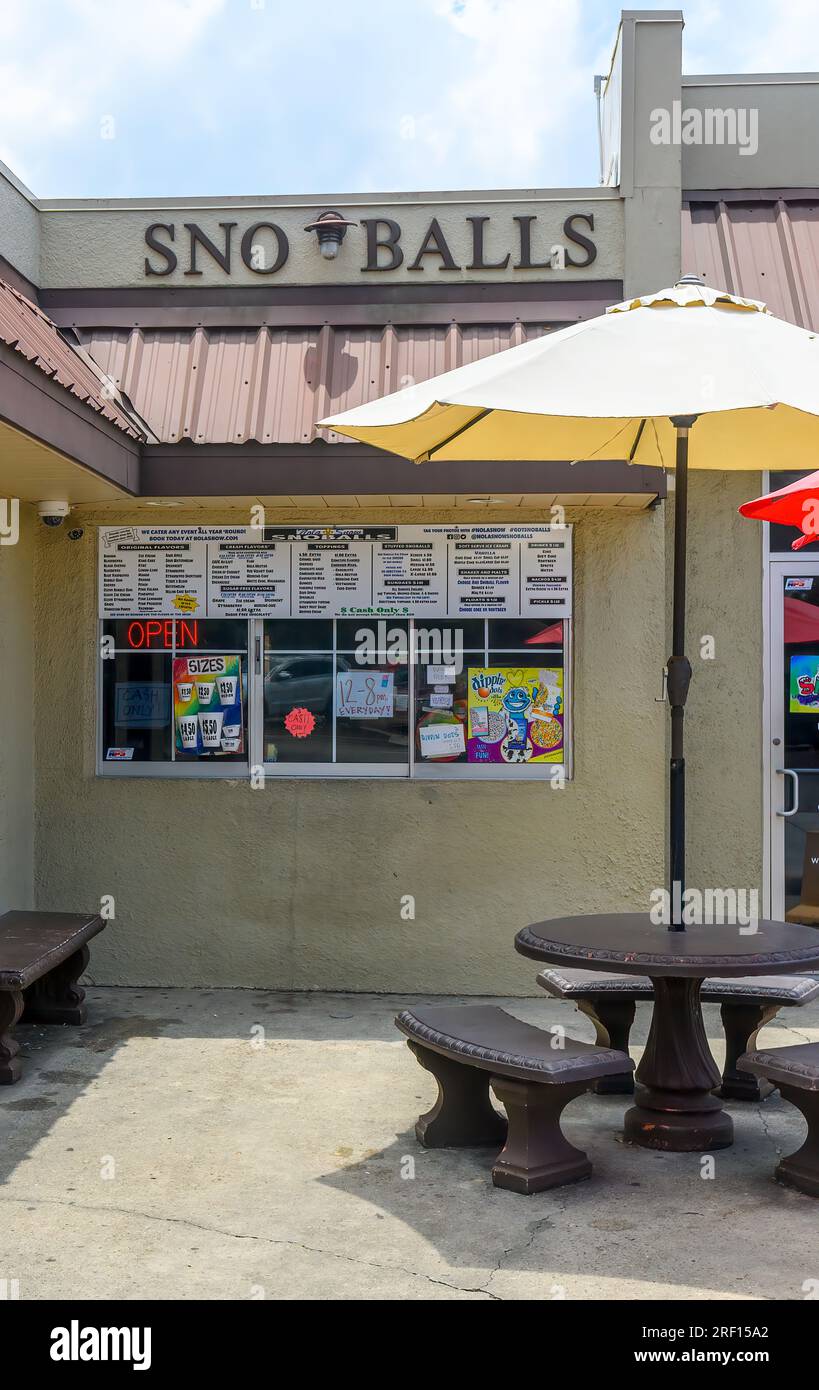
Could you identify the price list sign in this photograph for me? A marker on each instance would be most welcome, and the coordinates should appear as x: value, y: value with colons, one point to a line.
x: 324, y: 571
x: 144, y: 579
x: 248, y: 579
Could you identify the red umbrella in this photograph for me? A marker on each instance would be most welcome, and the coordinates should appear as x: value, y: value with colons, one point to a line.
x: 794, y: 505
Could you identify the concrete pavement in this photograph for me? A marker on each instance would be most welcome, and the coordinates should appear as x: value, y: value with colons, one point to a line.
x: 235, y: 1144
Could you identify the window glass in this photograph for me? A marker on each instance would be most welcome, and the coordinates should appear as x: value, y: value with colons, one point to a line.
x: 157, y: 634
x: 142, y: 634
x: 136, y: 705
x: 353, y: 703
x: 212, y: 634
x: 372, y: 711
x: 185, y: 707
x: 382, y: 635
x: 525, y: 632
x: 298, y: 634
x: 298, y: 706
x: 440, y: 711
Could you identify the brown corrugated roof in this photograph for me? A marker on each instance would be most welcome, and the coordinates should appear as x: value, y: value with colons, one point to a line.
x: 27, y: 330
x: 761, y: 247
x: 270, y: 385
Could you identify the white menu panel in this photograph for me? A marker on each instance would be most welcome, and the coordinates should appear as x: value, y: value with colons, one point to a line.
x: 325, y: 571
x: 141, y: 579
x: 330, y: 577
x: 410, y: 574
x: 546, y: 577
x: 246, y: 578
x: 484, y: 576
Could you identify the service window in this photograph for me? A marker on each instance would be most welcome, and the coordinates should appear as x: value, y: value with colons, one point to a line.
x: 499, y: 709
x: 335, y: 698
x: 174, y: 692
x: 307, y: 652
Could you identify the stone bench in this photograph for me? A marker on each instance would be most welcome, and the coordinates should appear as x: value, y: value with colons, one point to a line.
x: 795, y: 1071
x: 747, y: 1004
x: 534, y: 1075
x: 42, y: 955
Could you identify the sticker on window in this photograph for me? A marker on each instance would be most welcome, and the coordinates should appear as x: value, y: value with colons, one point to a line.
x: 300, y: 722
x: 119, y: 755
x: 441, y: 740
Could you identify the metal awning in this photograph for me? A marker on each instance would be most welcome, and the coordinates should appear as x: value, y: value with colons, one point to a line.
x: 270, y: 385
x: 761, y: 244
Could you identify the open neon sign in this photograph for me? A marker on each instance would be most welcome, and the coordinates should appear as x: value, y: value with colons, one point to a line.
x: 154, y: 634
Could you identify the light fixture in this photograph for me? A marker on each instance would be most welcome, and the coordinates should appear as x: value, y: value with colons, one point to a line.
x: 487, y: 501
x: 330, y: 229
x: 162, y: 502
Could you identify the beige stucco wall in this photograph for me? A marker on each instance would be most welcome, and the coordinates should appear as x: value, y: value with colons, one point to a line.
x: 298, y: 885
x: 17, y: 724
x: 724, y: 718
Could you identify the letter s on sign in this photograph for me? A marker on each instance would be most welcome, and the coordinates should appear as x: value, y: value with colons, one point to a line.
x: 154, y: 245
x: 572, y: 234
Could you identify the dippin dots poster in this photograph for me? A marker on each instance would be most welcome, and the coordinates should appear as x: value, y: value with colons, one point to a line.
x: 515, y: 715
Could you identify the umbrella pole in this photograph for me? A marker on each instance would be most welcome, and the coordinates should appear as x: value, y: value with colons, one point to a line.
x: 679, y: 676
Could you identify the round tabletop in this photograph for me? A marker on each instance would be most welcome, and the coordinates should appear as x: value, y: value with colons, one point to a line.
x: 635, y: 945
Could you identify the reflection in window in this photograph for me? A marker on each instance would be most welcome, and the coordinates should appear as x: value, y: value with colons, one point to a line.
x: 298, y: 707
x: 136, y: 703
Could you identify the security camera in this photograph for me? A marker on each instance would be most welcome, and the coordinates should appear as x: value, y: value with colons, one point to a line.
x: 53, y: 513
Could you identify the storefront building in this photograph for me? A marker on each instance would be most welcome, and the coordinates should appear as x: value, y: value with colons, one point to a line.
x: 310, y: 716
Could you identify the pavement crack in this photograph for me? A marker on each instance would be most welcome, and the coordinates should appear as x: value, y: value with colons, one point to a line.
x: 519, y: 1248
x: 806, y: 1037
x: 766, y: 1131
x: 246, y: 1235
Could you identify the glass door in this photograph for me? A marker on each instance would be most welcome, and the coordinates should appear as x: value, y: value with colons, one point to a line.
x: 794, y: 762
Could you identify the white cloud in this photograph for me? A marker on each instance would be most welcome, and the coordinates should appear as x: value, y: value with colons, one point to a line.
x: 517, y: 77
x: 769, y: 37
x: 63, y: 68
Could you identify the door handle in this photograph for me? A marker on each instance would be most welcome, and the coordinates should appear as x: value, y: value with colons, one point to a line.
x: 790, y: 772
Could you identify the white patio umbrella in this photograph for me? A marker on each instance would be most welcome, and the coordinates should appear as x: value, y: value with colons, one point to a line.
x: 635, y: 384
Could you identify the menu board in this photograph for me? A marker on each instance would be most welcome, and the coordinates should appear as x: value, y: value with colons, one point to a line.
x: 245, y: 577
x: 411, y: 573
x: 330, y: 577
x: 484, y: 575
x: 335, y: 571
x: 143, y: 579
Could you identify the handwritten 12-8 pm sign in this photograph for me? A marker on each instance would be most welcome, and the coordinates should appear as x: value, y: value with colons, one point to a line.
x: 364, y: 695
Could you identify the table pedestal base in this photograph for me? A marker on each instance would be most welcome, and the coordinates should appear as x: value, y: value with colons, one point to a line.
x: 801, y: 1169
x: 676, y: 1109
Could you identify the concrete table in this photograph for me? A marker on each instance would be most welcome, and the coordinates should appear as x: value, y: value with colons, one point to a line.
x: 676, y: 1107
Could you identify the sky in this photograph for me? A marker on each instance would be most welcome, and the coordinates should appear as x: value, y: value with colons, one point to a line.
x: 142, y: 98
